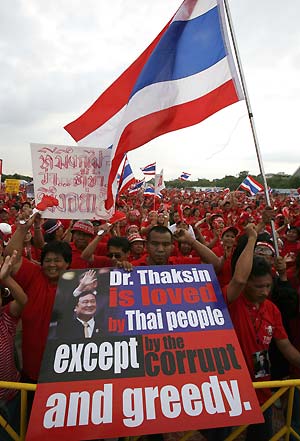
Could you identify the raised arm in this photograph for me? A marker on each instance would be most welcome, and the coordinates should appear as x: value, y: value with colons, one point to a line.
x: 88, y: 252
x: 20, y: 298
x: 16, y: 242
x: 243, y: 266
x: 207, y: 256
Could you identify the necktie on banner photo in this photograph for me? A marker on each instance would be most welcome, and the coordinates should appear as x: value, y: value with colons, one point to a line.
x: 86, y: 329
x: 185, y: 75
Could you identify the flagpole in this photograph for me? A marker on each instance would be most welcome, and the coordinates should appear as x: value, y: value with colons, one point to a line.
x: 251, y: 119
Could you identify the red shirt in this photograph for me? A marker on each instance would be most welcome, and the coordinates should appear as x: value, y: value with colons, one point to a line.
x: 225, y: 274
x: 255, y: 328
x: 8, y: 370
x: 35, y: 316
x: 79, y: 263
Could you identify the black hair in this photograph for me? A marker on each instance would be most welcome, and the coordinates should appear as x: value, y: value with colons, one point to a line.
x: 260, y: 267
x: 293, y: 227
x: 58, y: 247
x: 25, y: 203
x: 120, y: 242
x: 159, y: 229
x: 242, y: 242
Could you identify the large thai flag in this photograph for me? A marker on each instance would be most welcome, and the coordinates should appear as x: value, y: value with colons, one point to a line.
x: 127, y: 177
x: 184, y: 76
x: 251, y: 185
x: 149, y: 169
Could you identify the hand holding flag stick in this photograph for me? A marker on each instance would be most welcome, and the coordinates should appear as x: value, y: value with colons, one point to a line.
x: 47, y: 201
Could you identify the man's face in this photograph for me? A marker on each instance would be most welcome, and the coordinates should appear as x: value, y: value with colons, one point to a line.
x: 81, y: 240
x: 117, y: 254
x: 53, y: 266
x: 258, y: 288
x: 292, y: 235
x: 86, y: 307
x: 159, y: 247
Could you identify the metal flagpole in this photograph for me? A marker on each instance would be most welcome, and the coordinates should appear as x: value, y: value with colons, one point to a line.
x: 251, y: 119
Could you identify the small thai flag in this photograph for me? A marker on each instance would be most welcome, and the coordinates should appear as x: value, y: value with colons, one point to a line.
x: 251, y: 185
x: 184, y: 176
x: 136, y: 187
x: 149, y: 169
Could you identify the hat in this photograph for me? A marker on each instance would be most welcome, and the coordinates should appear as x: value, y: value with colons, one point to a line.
x: 266, y: 245
x: 135, y: 237
x: 231, y: 228
x: 215, y: 216
x: 131, y: 226
x: 117, y: 217
x: 5, y: 228
x: 135, y: 212
x: 84, y: 226
x: 51, y: 225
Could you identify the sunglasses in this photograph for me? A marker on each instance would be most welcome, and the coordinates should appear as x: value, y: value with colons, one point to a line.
x: 116, y: 255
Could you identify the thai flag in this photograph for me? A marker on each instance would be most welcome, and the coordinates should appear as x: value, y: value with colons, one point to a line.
x: 184, y: 176
x: 251, y: 185
x: 149, y: 169
x: 127, y: 178
x: 185, y: 75
x: 136, y: 187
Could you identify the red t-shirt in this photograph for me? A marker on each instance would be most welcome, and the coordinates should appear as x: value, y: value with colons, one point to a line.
x: 8, y: 370
x: 79, y: 263
x: 255, y: 328
x: 225, y: 274
x: 35, y: 316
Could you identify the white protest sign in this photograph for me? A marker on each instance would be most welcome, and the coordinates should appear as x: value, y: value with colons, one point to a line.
x: 75, y: 176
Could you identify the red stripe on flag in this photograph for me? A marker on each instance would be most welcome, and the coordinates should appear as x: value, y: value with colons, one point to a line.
x: 142, y: 130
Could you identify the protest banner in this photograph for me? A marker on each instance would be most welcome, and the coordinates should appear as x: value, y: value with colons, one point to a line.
x: 12, y: 186
x: 75, y: 176
x: 160, y: 356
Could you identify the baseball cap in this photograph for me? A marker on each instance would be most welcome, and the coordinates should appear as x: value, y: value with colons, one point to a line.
x: 230, y: 228
x: 84, y: 226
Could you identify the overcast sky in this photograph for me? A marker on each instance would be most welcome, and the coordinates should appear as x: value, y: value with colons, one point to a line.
x: 57, y: 57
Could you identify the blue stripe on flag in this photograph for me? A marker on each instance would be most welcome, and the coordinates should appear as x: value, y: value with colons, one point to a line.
x: 188, y: 47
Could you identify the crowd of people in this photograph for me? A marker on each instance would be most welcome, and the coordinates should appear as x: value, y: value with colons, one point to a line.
x: 231, y: 231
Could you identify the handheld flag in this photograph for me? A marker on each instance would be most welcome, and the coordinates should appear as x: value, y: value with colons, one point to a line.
x: 159, y: 182
x: 185, y: 75
x: 184, y: 176
x: 251, y: 185
x: 136, y: 187
x: 127, y: 178
x: 150, y: 169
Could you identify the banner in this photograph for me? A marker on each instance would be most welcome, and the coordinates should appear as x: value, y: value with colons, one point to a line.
x: 76, y: 176
x: 149, y: 351
x: 12, y: 186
